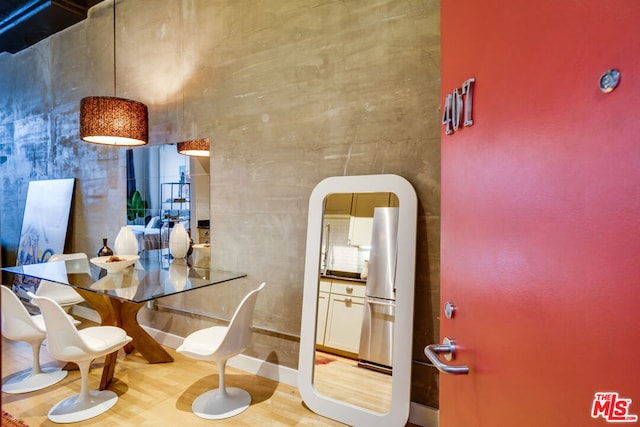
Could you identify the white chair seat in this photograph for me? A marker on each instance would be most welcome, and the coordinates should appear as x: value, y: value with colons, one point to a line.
x: 218, y: 344
x: 103, y: 339
x: 66, y: 343
x: 65, y: 295
x: 200, y: 344
x: 62, y: 294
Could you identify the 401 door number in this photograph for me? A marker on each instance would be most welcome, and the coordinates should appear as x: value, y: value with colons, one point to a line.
x: 461, y: 100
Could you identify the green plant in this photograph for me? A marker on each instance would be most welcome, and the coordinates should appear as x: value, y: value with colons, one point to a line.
x: 136, y: 207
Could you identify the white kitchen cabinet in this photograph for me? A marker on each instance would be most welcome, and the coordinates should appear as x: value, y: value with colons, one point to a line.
x: 358, y: 204
x: 204, y: 235
x: 360, y: 230
x: 364, y: 203
x: 338, y: 204
x: 344, y: 317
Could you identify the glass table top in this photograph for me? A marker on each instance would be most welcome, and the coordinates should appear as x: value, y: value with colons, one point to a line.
x: 150, y: 278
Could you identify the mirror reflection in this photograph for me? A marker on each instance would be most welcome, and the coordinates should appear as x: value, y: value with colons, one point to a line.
x: 356, y: 299
x: 332, y: 378
x: 165, y: 188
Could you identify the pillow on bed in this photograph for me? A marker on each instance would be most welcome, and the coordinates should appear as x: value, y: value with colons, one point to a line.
x: 154, y: 222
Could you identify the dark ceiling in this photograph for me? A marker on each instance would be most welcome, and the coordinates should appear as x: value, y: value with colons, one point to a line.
x: 26, y: 22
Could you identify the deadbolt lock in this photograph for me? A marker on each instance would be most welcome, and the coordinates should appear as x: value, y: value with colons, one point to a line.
x: 449, y: 310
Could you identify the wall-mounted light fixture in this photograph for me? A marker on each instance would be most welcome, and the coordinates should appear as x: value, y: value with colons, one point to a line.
x: 195, y: 147
x: 111, y: 120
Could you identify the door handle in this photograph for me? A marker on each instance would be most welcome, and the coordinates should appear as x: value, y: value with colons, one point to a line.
x: 447, y: 347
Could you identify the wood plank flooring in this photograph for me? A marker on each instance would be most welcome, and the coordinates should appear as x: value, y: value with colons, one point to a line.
x: 342, y: 379
x: 156, y: 394
x: 162, y: 394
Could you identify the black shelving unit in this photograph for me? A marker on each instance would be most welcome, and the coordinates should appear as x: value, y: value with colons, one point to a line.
x: 175, y: 208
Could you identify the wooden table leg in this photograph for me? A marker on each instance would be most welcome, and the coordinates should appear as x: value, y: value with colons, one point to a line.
x: 102, y: 304
x: 108, y: 370
x: 142, y: 341
x: 115, y: 312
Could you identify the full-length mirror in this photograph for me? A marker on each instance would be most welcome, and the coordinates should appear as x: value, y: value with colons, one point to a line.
x: 164, y: 188
x: 356, y: 299
x: 355, y: 353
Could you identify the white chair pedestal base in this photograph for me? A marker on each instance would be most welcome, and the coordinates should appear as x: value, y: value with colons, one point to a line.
x: 28, y: 382
x: 66, y: 343
x: 76, y: 408
x: 218, y: 344
x: 217, y: 405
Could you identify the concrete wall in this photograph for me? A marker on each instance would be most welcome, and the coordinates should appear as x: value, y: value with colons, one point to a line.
x: 289, y: 92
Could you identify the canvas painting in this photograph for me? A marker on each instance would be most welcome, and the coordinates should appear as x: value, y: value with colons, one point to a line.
x: 45, y: 221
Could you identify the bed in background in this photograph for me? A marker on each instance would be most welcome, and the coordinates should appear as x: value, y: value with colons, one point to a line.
x: 148, y: 235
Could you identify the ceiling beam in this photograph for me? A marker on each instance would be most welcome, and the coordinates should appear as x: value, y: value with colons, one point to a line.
x: 25, y: 23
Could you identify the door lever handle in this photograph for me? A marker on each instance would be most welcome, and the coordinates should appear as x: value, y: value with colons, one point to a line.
x: 447, y: 347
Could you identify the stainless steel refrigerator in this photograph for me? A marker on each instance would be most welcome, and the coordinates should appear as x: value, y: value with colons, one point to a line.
x: 376, y: 338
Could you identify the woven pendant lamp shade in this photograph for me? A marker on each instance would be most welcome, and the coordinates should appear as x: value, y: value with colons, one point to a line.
x: 113, y: 121
x: 196, y: 147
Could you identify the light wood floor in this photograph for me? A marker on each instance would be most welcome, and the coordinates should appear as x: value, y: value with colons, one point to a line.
x: 342, y: 379
x: 162, y: 394
x: 156, y: 395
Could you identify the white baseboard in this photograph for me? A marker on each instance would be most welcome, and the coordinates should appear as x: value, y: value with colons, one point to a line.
x: 418, y: 414
x: 423, y: 415
x: 245, y: 363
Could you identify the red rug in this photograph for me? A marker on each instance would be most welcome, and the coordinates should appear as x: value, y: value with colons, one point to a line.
x: 11, y: 421
x: 321, y: 360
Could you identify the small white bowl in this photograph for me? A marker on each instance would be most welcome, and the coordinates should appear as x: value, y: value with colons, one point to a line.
x: 124, y: 284
x: 115, y: 266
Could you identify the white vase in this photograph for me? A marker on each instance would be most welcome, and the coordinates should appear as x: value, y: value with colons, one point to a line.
x: 178, y: 274
x: 365, y: 270
x: 179, y: 241
x: 126, y: 242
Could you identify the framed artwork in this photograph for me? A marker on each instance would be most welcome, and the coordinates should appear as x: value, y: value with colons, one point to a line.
x: 45, y: 221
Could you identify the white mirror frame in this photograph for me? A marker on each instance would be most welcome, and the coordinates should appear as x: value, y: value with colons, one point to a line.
x: 403, y: 324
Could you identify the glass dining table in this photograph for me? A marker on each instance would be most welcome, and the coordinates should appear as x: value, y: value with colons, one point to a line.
x: 118, y: 297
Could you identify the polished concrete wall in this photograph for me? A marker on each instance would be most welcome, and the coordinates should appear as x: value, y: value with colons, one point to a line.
x: 289, y: 92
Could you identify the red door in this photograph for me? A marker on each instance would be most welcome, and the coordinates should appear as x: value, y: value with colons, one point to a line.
x: 541, y: 214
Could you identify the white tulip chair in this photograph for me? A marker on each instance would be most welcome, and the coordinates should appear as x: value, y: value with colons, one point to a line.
x: 65, y: 295
x: 69, y: 344
x: 19, y: 325
x: 218, y: 344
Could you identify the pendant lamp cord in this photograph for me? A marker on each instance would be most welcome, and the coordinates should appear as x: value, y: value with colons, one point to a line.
x: 114, y: 49
x: 184, y: 133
